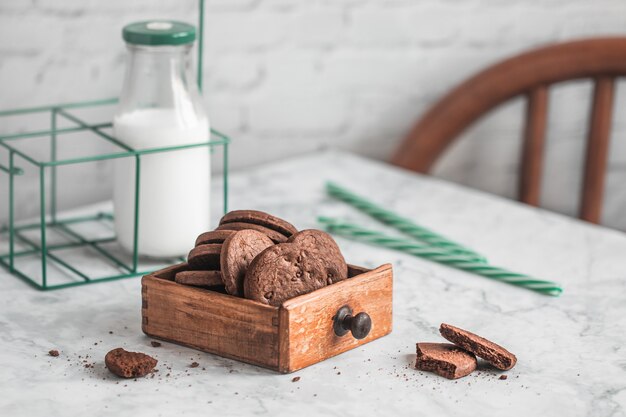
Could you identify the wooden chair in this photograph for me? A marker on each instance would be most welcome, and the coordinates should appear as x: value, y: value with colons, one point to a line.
x: 529, y: 74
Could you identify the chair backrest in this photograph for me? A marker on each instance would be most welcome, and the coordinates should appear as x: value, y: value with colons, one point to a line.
x: 529, y: 74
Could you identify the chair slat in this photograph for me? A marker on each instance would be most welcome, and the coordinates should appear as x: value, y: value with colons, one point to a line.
x: 597, y: 149
x: 533, y: 146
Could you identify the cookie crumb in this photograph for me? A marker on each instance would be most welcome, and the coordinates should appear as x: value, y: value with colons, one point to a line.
x: 194, y: 365
x: 503, y: 377
x: 129, y: 364
x: 154, y: 343
x: 54, y: 353
x: 295, y: 379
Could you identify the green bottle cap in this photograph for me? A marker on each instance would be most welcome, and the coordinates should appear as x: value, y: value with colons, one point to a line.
x: 159, y: 32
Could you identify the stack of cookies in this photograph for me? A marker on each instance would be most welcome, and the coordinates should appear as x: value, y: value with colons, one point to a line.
x: 263, y: 258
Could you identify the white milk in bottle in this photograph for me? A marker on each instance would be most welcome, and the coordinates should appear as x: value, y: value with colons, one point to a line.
x: 160, y: 107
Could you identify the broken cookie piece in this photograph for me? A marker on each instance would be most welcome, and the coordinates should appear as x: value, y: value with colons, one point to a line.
x: 444, y: 359
x: 129, y: 364
x: 481, y: 347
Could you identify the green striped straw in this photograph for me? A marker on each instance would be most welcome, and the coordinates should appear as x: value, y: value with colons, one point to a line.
x: 401, y: 223
x: 458, y: 261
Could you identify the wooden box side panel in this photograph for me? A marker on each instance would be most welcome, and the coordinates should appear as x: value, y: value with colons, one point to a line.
x: 306, y: 322
x: 212, y: 322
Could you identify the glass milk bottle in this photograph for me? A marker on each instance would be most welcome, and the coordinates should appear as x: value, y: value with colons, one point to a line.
x: 160, y: 106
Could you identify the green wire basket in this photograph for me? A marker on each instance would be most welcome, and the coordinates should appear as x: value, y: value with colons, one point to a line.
x: 85, y: 247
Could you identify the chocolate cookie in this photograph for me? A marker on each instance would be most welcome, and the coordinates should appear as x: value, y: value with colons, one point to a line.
x: 260, y: 218
x: 282, y: 272
x: 276, y: 237
x: 238, y: 251
x: 213, y: 236
x: 205, y: 256
x: 483, y: 348
x: 444, y: 359
x: 199, y: 278
x: 327, y: 251
x: 129, y: 364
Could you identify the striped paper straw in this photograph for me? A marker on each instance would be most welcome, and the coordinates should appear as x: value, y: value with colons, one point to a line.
x: 458, y: 261
x: 401, y: 223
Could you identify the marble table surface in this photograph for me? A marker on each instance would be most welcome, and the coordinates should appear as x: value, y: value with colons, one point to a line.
x: 571, y: 350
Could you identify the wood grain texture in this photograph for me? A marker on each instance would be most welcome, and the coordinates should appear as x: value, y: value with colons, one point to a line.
x: 213, y: 322
x: 309, y: 318
x: 275, y: 338
x: 533, y: 146
x: 598, y: 58
x: 597, y: 150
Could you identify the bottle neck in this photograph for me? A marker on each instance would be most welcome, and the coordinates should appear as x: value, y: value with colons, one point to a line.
x: 161, y: 77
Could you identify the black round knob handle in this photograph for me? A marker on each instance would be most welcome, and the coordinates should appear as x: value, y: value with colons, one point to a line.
x: 344, y: 322
x: 360, y: 325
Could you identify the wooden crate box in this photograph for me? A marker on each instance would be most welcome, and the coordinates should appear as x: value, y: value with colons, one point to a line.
x: 299, y: 333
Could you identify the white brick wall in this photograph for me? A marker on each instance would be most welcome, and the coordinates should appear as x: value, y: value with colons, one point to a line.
x: 283, y: 77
